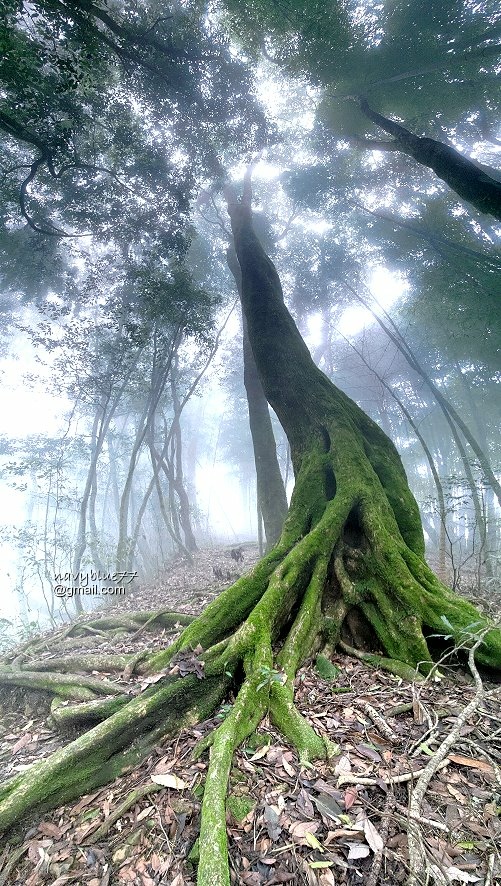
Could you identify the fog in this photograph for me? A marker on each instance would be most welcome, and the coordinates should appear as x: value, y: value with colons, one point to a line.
x: 123, y: 409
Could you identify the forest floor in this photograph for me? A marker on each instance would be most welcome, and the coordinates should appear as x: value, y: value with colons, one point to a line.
x: 339, y: 822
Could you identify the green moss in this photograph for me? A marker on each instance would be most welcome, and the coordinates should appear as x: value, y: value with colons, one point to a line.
x: 325, y: 668
x: 259, y: 740
x: 239, y: 806
x: 198, y: 791
x: 224, y: 614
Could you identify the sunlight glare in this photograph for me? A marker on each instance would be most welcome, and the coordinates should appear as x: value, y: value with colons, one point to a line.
x: 386, y: 288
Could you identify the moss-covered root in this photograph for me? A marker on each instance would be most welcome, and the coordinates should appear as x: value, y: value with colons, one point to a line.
x: 444, y: 612
x: 298, y: 645
x: 75, y: 664
x: 65, y: 716
x: 67, y: 638
x: 392, y: 665
x: 248, y: 710
x: 224, y: 614
x: 106, y: 751
x: 133, y: 621
x: 63, y: 685
x: 404, y: 602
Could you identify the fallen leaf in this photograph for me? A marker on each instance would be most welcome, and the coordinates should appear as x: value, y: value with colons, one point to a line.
x: 343, y: 832
x: 328, y: 806
x: 357, y: 850
x: 288, y: 768
x: 49, y: 829
x: 342, y: 766
x: 299, y: 829
x: 368, y: 752
x: 419, y: 712
x: 272, y: 818
x: 21, y: 743
x: 168, y: 780
x: 304, y: 804
x: 470, y: 761
x: 350, y: 795
x: 260, y: 753
x: 313, y: 842
x: 149, y: 681
x: 463, y: 876
x: 373, y: 836
x: 145, y: 812
x: 457, y: 794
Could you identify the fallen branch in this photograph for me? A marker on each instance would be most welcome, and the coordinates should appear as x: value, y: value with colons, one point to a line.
x: 394, y: 779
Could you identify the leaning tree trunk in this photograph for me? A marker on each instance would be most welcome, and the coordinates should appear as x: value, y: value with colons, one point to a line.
x: 350, y: 554
x: 464, y: 176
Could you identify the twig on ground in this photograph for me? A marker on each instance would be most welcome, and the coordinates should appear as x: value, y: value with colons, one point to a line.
x: 120, y: 810
x: 392, y: 779
x: 414, y: 839
x: 377, y: 861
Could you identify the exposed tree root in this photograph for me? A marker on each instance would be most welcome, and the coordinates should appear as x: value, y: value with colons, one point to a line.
x: 398, y: 668
x: 67, y: 637
x: 62, y: 685
x: 262, y: 629
x: 74, y: 664
x: 349, y: 566
x: 98, y: 756
x: 342, y: 568
x: 94, y: 711
x: 119, y: 810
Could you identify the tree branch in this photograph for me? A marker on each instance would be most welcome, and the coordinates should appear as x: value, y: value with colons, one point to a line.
x: 469, y: 181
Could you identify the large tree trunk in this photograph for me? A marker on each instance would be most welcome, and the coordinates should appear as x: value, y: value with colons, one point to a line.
x: 349, y: 564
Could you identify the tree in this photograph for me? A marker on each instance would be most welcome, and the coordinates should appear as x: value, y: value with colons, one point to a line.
x: 271, y: 495
x: 352, y: 545
x: 443, y: 78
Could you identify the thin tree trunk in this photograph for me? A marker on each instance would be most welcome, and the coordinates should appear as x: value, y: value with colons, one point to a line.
x: 177, y: 465
x: 102, y: 421
x: 159, y: 376
x: 271, y: 494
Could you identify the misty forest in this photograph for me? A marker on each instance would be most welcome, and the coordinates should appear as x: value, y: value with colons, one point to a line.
x: 250, y: 450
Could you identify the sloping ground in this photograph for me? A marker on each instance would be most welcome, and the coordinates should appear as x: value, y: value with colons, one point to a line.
x: 342, y: 822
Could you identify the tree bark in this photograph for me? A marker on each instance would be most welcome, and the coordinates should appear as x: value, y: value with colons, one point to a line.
x: 176, y: 461
x: 271, y: 495
x: 352, y: 544
x: 465, y: 177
